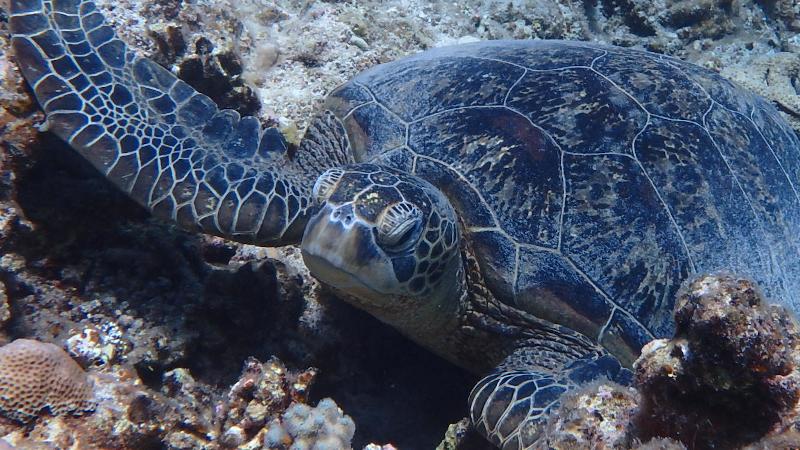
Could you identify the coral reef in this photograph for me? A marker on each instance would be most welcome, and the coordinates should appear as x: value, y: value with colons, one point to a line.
x: 37, y: 378
x: 164, y: 320
x: 19, y: 112
x: 661, y: 444
x: 186, y: 414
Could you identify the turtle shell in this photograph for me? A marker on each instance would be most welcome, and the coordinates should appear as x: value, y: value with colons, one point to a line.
x: 590, y: 180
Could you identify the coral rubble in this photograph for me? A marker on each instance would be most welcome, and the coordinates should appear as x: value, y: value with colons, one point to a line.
x: 255, y: 402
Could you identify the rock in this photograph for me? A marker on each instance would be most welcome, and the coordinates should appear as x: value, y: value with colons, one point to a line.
x: 454, y: 435
x: 5, y: 310
x: 596, y: 416
x: 776, y: 77
x: 661, y: 444
x: 92, y: 347
x: 730, y: 374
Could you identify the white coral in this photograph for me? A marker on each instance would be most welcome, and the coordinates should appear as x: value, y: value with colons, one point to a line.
x: 302, y: 427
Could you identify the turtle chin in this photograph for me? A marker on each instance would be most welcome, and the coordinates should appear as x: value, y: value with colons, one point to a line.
x: 344, y: 256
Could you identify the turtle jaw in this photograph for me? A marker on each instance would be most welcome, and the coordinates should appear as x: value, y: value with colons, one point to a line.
x: 343, y: 254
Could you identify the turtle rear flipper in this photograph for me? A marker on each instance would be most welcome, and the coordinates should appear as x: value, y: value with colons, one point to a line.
x: 511, y: 405
x: 167, y: 146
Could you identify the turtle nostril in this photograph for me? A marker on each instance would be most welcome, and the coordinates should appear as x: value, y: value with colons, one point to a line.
x: 344, y: 215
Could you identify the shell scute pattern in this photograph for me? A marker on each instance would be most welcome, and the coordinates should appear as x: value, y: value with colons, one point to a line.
x: 373, y: 130
x: 413, y: 91
x: 534, y: 55
x: 660, y: 89
x: 617, y: 231
x: 784, y: 143
x: 719, y: 89
x: 769, y: 189
x: 549, y: 278
x: 623, y: 336
x: 698, y: 186
x: 513, y: 164
x: 346, y: 98
x: 466, y: 198
x: 582, y: 111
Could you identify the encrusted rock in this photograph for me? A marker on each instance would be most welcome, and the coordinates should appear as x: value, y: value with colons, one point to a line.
x: 728, y: 376
x: 91, y: 346
x: 263, y: 391
x: 596, y: 416
x: 661, y: 444
x: 5, y: 310
x: 454, y: 435
x: 19, y: 114
x: 218, y: 75
x: 36, y: 377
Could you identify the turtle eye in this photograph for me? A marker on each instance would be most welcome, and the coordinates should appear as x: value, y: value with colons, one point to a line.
x: 325, y: 184
x: 399, y: 226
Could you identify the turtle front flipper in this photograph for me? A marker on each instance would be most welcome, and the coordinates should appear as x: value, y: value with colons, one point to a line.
x: 167, y: 146
x: 510, y: 406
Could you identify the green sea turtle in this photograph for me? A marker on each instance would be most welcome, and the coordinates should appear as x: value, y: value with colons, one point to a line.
x: 526, y: 209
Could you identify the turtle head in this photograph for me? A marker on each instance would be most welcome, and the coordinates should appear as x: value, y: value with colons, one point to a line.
x: 386, y: 239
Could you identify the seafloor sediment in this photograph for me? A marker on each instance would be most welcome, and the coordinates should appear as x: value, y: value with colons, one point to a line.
x: 166, y: 322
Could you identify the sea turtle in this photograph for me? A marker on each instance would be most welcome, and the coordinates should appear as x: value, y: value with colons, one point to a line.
x: 525, y: 209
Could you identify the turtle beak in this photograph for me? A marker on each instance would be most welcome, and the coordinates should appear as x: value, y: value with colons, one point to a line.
x: 340, y: 250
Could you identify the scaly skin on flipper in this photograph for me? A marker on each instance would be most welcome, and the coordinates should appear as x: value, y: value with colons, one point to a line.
x: 510, y: 405
x: 164, y: 144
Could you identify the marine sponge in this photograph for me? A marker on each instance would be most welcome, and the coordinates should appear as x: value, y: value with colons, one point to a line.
x: 302, y: 427
x: 730, y: 373
x: 36, y: 377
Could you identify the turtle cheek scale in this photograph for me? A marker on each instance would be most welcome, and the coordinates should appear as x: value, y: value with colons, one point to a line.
x: 340, y: 251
